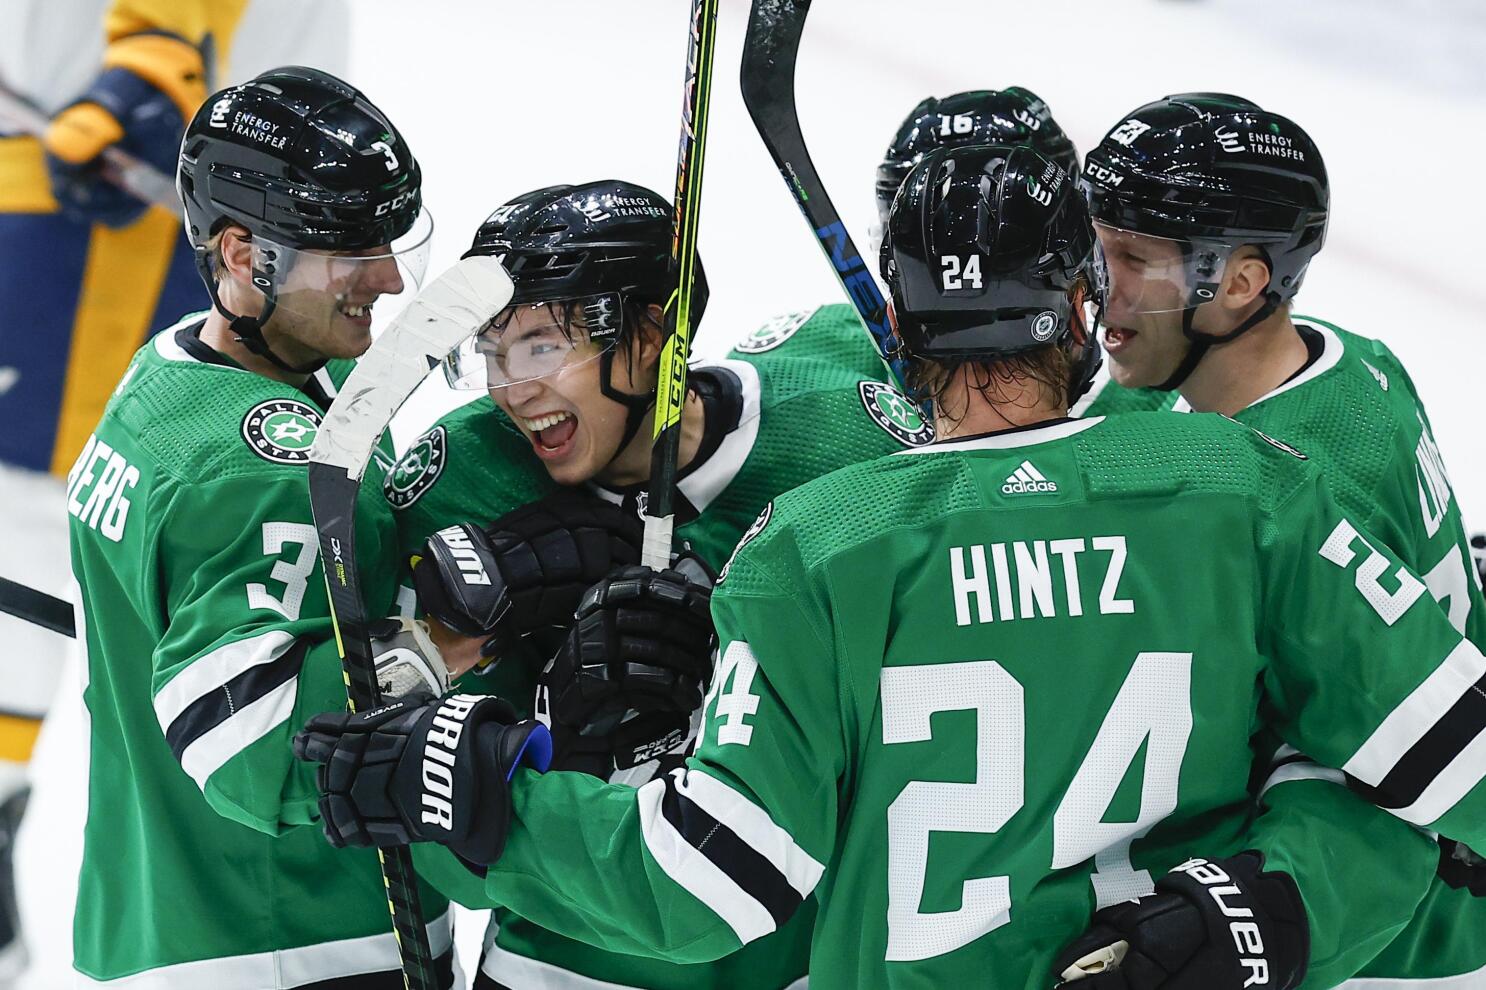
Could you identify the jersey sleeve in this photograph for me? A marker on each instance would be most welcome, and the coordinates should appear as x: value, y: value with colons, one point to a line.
x: 248, y: 652
x: 1362, y: 872
x: 1316, y: 828
x: 1367, y: 674
x: 694, y: 864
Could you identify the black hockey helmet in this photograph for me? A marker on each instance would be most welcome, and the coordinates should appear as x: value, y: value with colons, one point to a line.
x: 1009, y: 116
x: 1214, y: 172
x: 303, y: 162
x: 984, y: 247
x: 565, y: 241
x: 595, y: 247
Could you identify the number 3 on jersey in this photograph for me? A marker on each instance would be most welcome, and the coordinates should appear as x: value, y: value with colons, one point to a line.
x: 1153, y: 704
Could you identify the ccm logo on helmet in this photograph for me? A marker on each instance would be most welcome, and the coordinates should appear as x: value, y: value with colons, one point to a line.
x: 1101, y: 174
x: 384, y: 208
x: 1229, y: 898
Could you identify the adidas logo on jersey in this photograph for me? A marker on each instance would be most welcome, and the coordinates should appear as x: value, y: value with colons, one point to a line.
x: 1027, y: 480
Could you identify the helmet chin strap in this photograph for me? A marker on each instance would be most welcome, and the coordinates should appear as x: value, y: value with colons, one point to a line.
x: 1087, y: 364
x: 1199, y: 342
x: 636, y: 406
x: 248, y: 330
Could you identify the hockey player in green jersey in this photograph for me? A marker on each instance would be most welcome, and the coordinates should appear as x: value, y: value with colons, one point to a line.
x: 968, y: 692
x: 571, y: 371
x: 203, y: 610
x: 1010, y: 116
x: 1199, y: 302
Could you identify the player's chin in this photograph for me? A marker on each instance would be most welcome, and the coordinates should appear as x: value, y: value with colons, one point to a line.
x: 348, y: 338
x: 1129, y: 373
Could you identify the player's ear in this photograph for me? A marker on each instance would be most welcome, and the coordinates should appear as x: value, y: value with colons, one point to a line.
x: 1246, y: 278
x: 650, y: 337
x: 235, y: 254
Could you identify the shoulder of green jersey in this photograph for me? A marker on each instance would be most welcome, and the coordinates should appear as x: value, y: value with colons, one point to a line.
x: 705, y: 483
x: 417, y: 469
x: 281, y: 430
x: 1276, y: 444
x: 1007, y: 441
x: 751, y: 533
x: 774, y: 332
x: 246, y: 412
x: 895, y: 414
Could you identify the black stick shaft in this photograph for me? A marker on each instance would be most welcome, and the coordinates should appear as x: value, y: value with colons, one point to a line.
x: 37, y: 607
x: 333, y: 502
x: 770, y: 48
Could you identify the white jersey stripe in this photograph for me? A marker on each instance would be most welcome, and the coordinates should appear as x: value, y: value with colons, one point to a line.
x: 1473, y: 980
x: 1449, y: 785
x: 525, y: 973
x: 754, y: 826
x: 206, y: 754
x: 211, y: 671
x: 1416, y: 715
x: 283, y: 968
x: 1303, y: 770
x: 683, y: 863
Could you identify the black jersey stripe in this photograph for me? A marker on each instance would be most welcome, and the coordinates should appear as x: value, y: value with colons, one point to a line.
x: 1417, y: 769
x: 745, y: 866
x: 218, y: 705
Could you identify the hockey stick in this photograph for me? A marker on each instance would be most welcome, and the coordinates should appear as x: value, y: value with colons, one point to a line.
x: 770, y: 46
x: 37, y: 607
x: 139, y: 179
x: 443, y: 315
x: 670, y: 390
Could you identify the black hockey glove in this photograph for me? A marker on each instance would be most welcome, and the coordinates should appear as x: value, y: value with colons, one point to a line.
x: 1211, y: 925
x: 623, y: 688
x: 422, y: 772
x: 1462, y: 867
x: 528, y: 569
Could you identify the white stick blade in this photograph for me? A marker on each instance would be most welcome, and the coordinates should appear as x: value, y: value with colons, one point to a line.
x: 447, y: 311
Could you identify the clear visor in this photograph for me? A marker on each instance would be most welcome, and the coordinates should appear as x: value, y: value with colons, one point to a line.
x: 1141, y: 273
x: 346, y: 289
x: 528, y: 341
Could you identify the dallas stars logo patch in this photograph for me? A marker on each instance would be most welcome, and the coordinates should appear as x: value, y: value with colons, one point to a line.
x: 281, y: 430
x: 893, y: 412
x: 772, y: 334
x: 417, y: 470
x: 754, y: 529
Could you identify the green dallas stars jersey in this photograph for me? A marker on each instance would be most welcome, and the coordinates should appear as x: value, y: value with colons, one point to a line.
x: 965, y: 712
x: 794, y: 400
x: 1356, y: 413
x: 208, y: 643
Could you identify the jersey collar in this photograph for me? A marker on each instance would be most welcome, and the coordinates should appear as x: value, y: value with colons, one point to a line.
x: 731, y: 394
x: 182, y: 343
x: 1331, y: 353
x: 1021, y: 436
